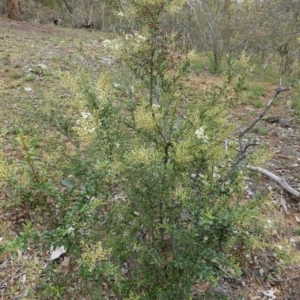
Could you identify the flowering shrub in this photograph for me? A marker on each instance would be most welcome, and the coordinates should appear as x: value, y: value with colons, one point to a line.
x: 147, y: 192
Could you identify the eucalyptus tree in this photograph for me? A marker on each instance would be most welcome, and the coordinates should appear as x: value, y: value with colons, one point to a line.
x: 14, y: 10
x: 205, y: 26
x: 281, y: 21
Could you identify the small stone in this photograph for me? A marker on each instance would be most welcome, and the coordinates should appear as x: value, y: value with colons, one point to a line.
x: 42, y: 66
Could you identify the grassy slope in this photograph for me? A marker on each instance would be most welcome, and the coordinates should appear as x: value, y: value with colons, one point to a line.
x: 30, y: 57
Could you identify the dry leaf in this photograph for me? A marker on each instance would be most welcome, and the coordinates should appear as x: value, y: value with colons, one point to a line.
x: 4, y: 264
x: 23, y: 278
x: 170, y: 258
x: 297, y: 219
x: 65, y: 266
x: 283, y: 205
x: 202, y: 287
x: 75, y: 269
x: 22, y: 294
x: 104, y: 286
x: 261, y: 271
x: 66, y: 262
x: 44, y: 250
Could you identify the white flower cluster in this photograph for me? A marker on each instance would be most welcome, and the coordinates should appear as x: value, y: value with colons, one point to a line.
x: 86, y: 115
x: 111, y: 44
x: 137, y: 38
x: 200, y: 134
x: 85, y: 125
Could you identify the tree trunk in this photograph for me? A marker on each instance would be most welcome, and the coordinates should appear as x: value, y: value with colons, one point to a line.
x: 13, y: 9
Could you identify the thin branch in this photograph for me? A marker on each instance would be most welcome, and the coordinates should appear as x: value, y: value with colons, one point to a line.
x: 293, y: 267
x: 249, y: 145
x: 243, y: 148
x: 292, y: 278
x: 133, y: 31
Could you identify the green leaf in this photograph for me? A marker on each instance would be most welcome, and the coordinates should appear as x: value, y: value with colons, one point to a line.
x: 66, y: 182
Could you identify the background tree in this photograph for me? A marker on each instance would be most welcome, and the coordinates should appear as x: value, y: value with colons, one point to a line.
x: 14, y: 10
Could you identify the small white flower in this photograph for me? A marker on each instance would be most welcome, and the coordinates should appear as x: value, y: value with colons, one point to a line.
x: 71, y: 229
x: 155, y: 106
x: 216, y: 175
x: 85, y: 115
x: 106, y: 43
x: 200, y: 134
x: 140, y: 37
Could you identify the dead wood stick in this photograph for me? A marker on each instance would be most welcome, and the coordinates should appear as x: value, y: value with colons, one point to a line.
x: 292, y: 278
x: 267, y: 61
x: 279, y: 179
x: 292, y: 268
x: 243, y: 148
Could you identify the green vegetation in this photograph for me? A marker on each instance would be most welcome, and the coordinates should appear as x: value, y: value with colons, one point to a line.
x: 28, y: 78
x: 148, y: 205
x: 253, y: 95
x: 15, y: 75
x: 130, y: 165
x: 261, y: 130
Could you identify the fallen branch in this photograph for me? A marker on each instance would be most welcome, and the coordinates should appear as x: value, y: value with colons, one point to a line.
x: 244, y: 148
x: 280, y: 180
x: 292, y: 278
x: 293, y: 267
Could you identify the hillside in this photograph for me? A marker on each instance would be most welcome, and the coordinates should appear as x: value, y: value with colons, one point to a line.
x: 31, y: 57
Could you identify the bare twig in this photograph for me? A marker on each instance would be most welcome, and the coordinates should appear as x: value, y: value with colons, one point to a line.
x: 280, y: 180
x: 293, y: 267
x: 133, y: 31
x: 249, y: 145
x: 243, y: 148
x: 283, y: 203
x: 267, y: 61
